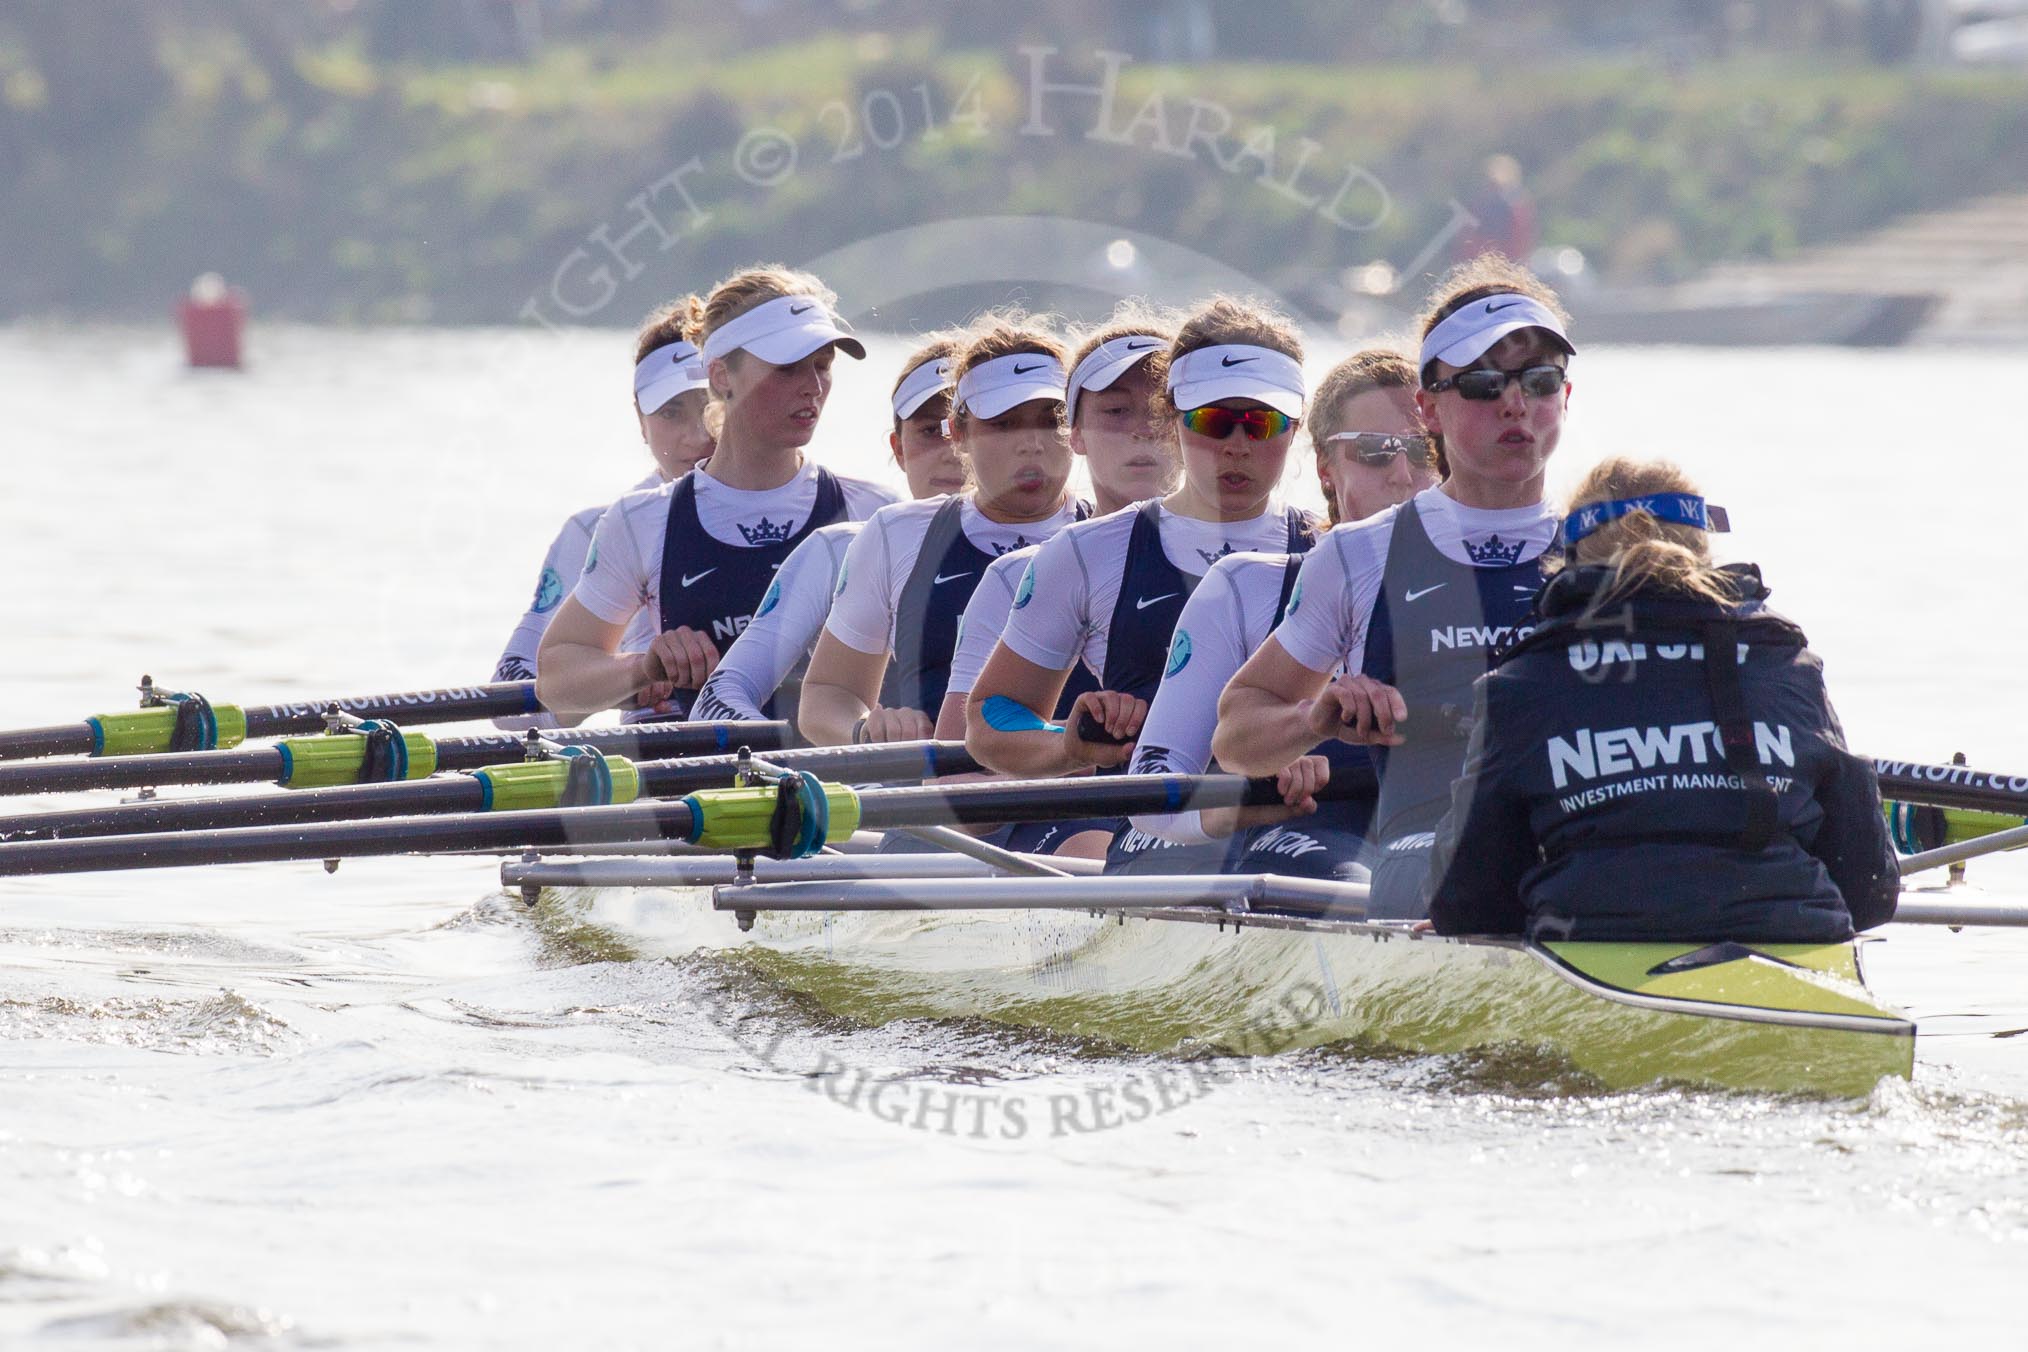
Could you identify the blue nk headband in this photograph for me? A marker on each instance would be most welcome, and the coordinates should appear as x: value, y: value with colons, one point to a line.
x: 1679, y: 509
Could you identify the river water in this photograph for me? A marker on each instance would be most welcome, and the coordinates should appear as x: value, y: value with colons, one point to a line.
x: 266, y: 1107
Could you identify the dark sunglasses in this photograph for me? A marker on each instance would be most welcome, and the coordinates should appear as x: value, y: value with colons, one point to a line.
x: 1537, y: 382
x: 1379, y: 448
x: 1261, y: 424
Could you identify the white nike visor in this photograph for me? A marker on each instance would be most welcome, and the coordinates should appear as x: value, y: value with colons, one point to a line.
x: 1237, y: 371
x: 1468, y: 332
x: 1106, y: 363
x: 669, y: 370
x: 921, y: 385
x: 782, y: 332
x: 992, y: 387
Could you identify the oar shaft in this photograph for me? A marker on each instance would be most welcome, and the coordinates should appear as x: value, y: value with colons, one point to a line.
x: 461, y: 793
x: 243, y: 765
x: 1953, y: 786
x: 353, y: 840
x: 986, y: 802
x: 264, y: 764
x: 874, y: 764
x: 975, y: 803
x: 635, y: 741
x: 449, y: 705
x: 72, y: 739
x: 502, y: 699
x: 349, y: 802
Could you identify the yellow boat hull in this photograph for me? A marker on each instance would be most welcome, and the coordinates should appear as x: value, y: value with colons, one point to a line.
x: 1766, y: 1018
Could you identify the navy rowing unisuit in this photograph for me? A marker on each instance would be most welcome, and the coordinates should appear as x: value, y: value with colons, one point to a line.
x: 1431, y: 636
x: 737, y: 576
x: 1152, y: 593
x: 947, y: 571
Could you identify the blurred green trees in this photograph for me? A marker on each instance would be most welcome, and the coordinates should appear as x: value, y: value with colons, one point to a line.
x: 392, y: 159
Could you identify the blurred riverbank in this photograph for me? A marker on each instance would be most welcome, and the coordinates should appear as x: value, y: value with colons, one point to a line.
x: 588, y: 180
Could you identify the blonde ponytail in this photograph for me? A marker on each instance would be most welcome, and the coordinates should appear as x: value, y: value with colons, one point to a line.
x: 1644, y: 552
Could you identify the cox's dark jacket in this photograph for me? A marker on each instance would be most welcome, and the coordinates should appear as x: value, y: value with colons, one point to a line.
x: 1624, y: 783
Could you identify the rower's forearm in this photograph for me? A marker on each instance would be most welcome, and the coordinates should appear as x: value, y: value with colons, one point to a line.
x: 576, y: 680
x: 1258, y: 733
x: 829, y: 714
x: 1025, y: 755
x: 1186, y: 828
x: 727, y: 695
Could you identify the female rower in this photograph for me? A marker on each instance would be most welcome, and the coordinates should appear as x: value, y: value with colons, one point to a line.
x: 699, y: 554
x: 1658, y: 760
x: 671, y: 405
x: 1410, y: 602
x: 1372, y: 453
x: 1107, y: 592
x: 1109, y: 404
x: 906, y: 578
x: 792, y: 611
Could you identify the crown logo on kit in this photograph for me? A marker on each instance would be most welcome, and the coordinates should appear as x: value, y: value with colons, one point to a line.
x: 1494, y: 551
x: 766, y: 532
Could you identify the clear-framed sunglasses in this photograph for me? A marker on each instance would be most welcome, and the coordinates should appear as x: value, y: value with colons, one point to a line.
x: 1379, y: 448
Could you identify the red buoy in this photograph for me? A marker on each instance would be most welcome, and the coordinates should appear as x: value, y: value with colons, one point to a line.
x: 213, y: 320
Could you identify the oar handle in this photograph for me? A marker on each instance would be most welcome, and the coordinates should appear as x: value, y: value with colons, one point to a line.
x: 1090, y: 730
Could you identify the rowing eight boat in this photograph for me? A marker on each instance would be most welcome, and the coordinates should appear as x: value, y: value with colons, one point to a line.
x: 1248, y: 964
x: 1253, y: 965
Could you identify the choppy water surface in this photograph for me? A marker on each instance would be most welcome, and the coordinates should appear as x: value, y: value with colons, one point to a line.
x: 264, y: 1106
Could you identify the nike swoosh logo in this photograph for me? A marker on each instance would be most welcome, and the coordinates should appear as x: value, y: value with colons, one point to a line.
x: 1147, y: 601
x: 1530, y: 590
x: 1141, y: 347
x: 1021, y: 370
x: 796, y: 310
x: 1493, y: 309
x: 1418, y: 595
x: 689, y: 578
x: 1236, y: 361
x: 942, y: 578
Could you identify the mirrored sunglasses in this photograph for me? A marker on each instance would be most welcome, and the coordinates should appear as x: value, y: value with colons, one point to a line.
x: 1261, y: 424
